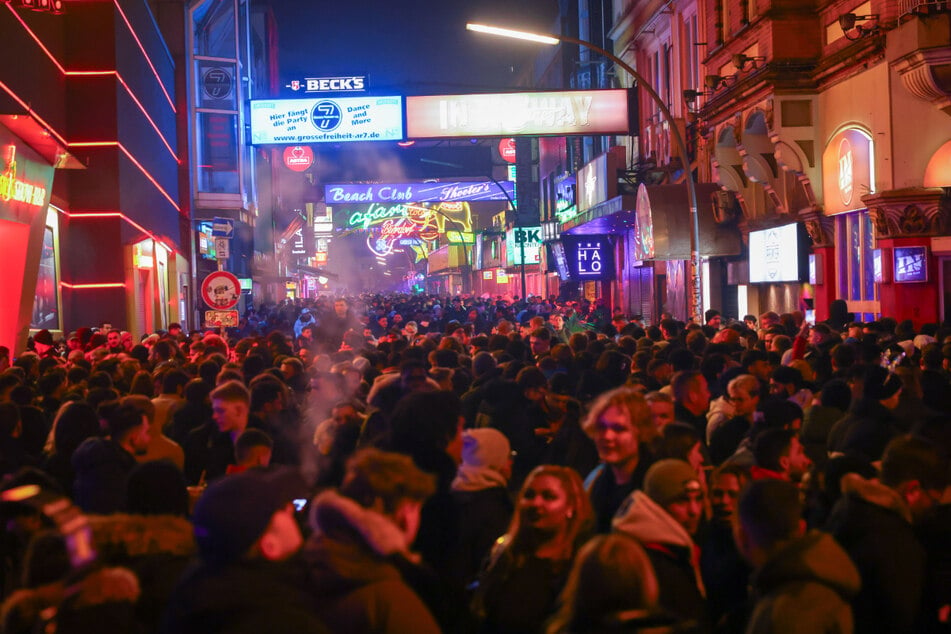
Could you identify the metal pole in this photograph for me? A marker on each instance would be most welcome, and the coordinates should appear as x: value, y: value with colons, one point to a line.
x: 695, y: 264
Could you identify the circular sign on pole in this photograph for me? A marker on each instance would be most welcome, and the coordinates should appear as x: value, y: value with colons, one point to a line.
x: 507, y: 150
x: 298, y: 157
x: 221, y: 290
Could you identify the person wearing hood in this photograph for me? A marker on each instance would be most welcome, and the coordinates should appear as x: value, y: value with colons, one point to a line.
x: 802, y: 582
x: 359, y: 555
x: 871, y: 422
x: 480, y: 491
x: 305, y: 319
x: 874, y: 522
x: 664, y: 518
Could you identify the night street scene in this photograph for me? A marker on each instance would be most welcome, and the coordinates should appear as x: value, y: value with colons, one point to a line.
x: 475, y: 316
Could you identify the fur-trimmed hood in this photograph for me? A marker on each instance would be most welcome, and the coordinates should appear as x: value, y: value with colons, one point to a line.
x: 140, y: 535
x: 352, y: 546
x: 874, y: 492
x: 22, y: 609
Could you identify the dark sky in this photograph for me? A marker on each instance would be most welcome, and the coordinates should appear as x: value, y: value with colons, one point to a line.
x: 408, y: 46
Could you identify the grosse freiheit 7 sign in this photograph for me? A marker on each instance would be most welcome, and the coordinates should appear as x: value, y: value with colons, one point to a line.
x: 326, y: 120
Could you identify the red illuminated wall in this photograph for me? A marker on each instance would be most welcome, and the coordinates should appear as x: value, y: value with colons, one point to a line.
x: 14, y: 238
x: 916, y: 301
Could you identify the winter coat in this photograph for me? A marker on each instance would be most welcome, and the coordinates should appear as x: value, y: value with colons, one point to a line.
x: 866, y: 429
x: 355, y: 579
x: 248, y: 596
x: 675, y: 557
x: 483, y: 517
x: 805, y: 587
x: 873, y: 524
x: 102, y: 601
x: 157, y: 548
x: 102, y: 472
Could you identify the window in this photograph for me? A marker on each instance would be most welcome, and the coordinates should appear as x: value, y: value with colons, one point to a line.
x: 855, y: 270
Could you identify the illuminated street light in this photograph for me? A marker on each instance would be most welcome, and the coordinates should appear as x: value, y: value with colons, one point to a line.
x: 550, y: 39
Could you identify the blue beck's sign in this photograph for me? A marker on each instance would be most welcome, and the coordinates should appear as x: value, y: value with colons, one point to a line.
x: 325, y: 120
x: 590, y: 257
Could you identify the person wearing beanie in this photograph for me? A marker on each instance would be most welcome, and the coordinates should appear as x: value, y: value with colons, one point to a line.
x: 248, y: 578
x: 480, y: 492
x: 871, y: 423
x: 664, y: 518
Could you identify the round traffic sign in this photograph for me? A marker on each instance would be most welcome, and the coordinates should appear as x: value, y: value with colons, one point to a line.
x: 221, y: 290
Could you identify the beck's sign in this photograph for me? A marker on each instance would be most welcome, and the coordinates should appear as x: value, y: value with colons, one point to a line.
x: 342, y: 193
x: 353, y: 83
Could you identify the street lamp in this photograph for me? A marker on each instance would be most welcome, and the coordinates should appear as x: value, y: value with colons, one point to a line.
x: 551, y: 39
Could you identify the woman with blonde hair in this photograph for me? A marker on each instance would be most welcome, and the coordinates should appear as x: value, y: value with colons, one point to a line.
x: 612, y: 588
x: 529, y: 564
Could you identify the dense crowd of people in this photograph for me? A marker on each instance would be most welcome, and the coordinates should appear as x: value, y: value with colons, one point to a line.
x: 416, y: 463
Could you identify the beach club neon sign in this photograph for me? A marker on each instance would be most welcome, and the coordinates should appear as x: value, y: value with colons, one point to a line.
x: 389, y: 226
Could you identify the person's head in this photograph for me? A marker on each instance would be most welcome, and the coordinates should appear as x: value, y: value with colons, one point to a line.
x: 612, y: 575
x: 743, y: 391
x: 128, y: 426
x: 756, y: 362
x: 249, y: 515
x: 414, y: 375
x: 75, y: 422
x: 253, y: 448
x: 174, y: 382
x: 114, y: 339
x: 785, y: 381
x: 691, y: 390
x: 674, y: 486
x: 341, y: 308
x: 388, y: 483
x: 726, y: 483
x: 613, y: 422
x: 552, y: 504
x: 157, y: 487
x: 557, y: 321
x: 768, y: 319
x: 231, y: 405
x: 662, y: 411
x: 779, y: 450
x: 487, y: 452
x: 426, y: 425
x: 882, y: 386
x: 916, y: 469
x: 540, y: 341
x: 768, y: 516
x: 712, y: 318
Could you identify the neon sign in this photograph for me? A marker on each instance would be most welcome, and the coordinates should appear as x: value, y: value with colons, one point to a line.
x: 418, y: 192
x: 17, y: 190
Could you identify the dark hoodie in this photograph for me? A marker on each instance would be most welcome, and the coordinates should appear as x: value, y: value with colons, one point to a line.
x: 102, y: 472
x: 809, y: 582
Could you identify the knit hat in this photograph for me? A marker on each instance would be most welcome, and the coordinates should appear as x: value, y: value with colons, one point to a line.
x: 44, y: 337
x: 485, y: 447
x: 880, y: 384
x: 235, y: 511
x: 670, y: 480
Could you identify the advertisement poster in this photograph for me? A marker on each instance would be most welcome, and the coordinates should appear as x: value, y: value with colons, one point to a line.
x: 326, y: 120
x: 45, y: 304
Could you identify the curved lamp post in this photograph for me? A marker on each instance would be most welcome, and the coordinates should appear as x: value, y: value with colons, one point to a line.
x: 696, y: 282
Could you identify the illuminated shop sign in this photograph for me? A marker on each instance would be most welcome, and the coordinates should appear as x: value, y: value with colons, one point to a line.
x: 325, y: 120
x: 911, y: 264
x: 589, y: 257
x: 458, y: 215
x: 418, y: 192
x: 533, y: 113
x: 847, y: 171
x: 13, y: 188
x: 527, y: 240
x: 353, y: 83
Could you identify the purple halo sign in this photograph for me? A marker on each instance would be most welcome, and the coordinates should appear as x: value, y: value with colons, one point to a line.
x: 343, y: 193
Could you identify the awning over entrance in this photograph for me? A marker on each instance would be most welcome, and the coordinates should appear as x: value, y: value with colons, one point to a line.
x: 611, y: 216
x: 664, y: 223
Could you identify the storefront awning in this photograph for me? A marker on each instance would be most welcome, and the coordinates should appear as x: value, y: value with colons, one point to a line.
x: 611, y: 216
x: 664, y: 224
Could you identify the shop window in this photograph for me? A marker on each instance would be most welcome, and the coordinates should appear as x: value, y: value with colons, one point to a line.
x: 217, y: 152
x: 855, y: 270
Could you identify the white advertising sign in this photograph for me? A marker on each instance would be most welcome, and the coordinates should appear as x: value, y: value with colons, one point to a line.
x: 326, y: 120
